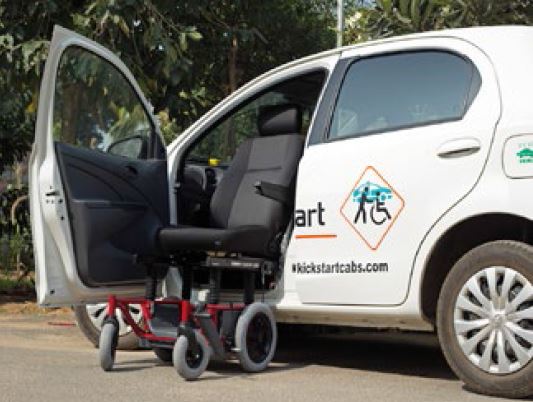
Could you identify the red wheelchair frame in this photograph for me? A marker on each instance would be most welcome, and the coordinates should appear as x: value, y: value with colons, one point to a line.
x: 185, y: 313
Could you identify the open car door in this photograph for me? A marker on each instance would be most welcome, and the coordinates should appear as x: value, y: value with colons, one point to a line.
x: 98, y: 176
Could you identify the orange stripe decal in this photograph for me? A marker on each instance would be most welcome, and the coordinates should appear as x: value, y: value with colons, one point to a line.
x: 316, y: 236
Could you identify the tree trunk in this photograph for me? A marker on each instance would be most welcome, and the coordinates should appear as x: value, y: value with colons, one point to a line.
x: 231, y: 141
x: 232, y: 64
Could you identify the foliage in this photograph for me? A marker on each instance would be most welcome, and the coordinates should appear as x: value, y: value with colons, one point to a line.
x: 16, y: 250
x: 23, y: 46
x: 10, y: 285
x: 21, y: 214
x: 251, y: 37
x: 147, y: 35
x: 384, y: 18
x: 168, y: 126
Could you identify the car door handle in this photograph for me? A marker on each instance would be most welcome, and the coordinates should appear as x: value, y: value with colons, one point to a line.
x: 131, y: 171
x: 459, y: 147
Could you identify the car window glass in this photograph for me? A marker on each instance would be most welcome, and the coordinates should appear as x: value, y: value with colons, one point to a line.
x: 95, y: 107
x: 221, y: 141
x: 403, y: 90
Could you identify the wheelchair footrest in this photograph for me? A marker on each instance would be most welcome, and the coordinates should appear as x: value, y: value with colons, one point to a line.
x: 165, y: 320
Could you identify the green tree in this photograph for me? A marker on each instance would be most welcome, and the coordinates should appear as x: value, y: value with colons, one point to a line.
x: 384, y: 18
x: 147, y: 35
x: 243, y: 38
x: 255, y: 36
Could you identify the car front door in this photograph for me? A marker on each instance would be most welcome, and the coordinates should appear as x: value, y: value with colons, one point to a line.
x: 98, y: 176
x: 402, y: 140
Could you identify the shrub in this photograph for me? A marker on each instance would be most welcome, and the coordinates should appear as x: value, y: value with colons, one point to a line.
x: 16, y: 250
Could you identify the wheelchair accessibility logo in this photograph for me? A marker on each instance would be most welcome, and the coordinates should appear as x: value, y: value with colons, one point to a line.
x: 372, y: 207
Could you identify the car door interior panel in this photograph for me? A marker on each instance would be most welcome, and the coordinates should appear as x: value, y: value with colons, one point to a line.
x: 116, y: 206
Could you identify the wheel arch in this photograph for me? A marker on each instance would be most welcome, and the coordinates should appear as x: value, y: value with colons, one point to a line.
x: 458, y: 240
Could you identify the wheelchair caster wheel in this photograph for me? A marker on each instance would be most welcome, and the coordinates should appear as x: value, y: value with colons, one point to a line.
x: 190, y: 365
x: 256, y: 337
x: 107, y: 345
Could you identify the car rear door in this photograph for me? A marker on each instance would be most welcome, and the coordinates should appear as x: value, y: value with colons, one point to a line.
x: 98, y: 176
x: 403, y: 137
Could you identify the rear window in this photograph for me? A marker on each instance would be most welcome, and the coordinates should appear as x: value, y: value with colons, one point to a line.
x: 402, y: 90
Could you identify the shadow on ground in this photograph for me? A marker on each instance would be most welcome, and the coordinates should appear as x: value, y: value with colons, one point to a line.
x: 397, y: 353
x: 404, y: 354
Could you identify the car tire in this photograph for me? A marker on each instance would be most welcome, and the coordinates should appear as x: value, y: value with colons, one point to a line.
x: 485, y: 319
x: 127, y: 339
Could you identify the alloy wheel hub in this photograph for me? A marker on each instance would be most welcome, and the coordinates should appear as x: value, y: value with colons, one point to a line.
x: 493, y: 320
x: 499, y: 320
x: 97, y: 315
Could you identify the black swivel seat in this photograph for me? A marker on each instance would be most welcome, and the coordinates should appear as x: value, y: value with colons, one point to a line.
x: 252, y: 204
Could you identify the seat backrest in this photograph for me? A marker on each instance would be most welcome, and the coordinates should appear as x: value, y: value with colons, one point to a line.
x: 272, y: 157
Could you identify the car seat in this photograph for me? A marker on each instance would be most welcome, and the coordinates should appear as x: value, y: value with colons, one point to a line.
x: 252, y: 204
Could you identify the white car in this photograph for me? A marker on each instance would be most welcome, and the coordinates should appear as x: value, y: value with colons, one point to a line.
x: 411, y: 208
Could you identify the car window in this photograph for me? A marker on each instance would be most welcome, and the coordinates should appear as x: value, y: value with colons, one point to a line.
x: 402, y: 90
x: 95, y: 107
x: 220, y: 142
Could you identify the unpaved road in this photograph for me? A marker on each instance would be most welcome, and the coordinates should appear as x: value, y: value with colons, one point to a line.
x: 44, y: 362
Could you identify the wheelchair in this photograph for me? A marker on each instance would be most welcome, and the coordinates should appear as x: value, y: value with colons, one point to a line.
x: 250, y: 212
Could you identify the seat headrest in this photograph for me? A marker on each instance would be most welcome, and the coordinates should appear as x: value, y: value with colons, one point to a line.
x: 279, y: 119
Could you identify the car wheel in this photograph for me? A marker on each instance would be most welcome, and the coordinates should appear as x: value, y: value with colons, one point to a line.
x: 90, y: 319
x: 485, y: 319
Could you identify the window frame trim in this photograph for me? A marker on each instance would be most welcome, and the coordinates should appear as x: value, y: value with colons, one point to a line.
x: 471, y: 95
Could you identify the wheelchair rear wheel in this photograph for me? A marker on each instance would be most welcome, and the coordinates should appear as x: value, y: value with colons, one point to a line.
x: 256, y: 337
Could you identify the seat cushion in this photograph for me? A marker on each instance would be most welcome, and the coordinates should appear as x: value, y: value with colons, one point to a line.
x: 250, y: 240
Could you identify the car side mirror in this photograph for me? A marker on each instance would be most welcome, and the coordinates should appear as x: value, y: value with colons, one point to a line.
x: 135, y: 147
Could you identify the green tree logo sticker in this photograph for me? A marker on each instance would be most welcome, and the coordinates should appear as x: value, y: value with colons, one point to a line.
x: 525, y: 155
